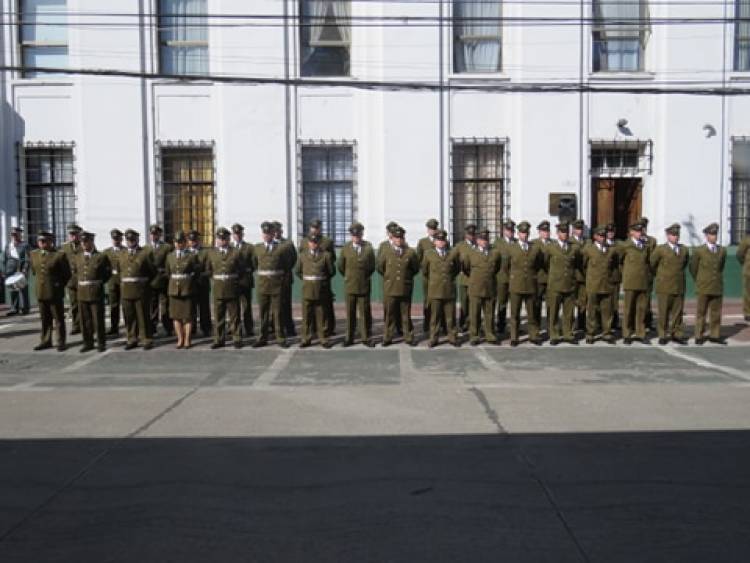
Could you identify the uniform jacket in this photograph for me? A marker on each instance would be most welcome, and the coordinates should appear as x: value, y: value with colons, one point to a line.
x: 278, y: 260
x: 482, y: 270
x: 707, y: 269
x: 614, y: 248
x: 669, y: 269
x: 247, y: 251
x: 92, y: 273
x: 288, y: 247
x: 11, y: 265
x: 52, y: 271
x: 159, y: 253
x: 601, y: 268
x: 635, y: 266
x: 463, y: 248
x: 226, y: 270
x: 113, y: 255
x: 440, y: 273
x: 522, y: 267
x: 187, y: 265
x: 325, y: 245
x: 502, y: 246
x: 398, y: 271
x: 542, y: 244
x: 71, y: 249
x: 743, y: 255
x: 137, y: 267
x: 315, y: 271
x: 357, y: 269
x: 564, y: 267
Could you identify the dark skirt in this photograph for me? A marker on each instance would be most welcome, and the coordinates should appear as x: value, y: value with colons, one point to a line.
x: 181, y: 308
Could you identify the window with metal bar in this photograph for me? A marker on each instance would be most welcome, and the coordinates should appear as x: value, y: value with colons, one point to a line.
x: 325, y: 37
x: 477, y: 187
x: 327, y: 174
x: 740, y: 199
x: 188, y: 190
x: 620, y: 158
x: 477, y: 36
x: 43, y: 36
x: 183, y: 37
x: 620, y: 31
x: 49, y: 190
x: 742, y: 36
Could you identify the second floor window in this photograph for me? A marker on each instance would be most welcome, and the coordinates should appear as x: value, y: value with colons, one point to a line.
x: 325, y: 37
x: 619, y: 35
x: 183, y: 37
x: 742, y: 36
x: 43, y: 35
x: 477, y: 36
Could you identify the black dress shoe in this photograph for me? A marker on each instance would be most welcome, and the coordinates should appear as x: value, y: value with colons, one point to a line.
x: 327, y: 345
x: 11, y: 313
x: 474, y: 342
x: 536, y: 341
x: 61, y: 347
x: 610, y: 340
x: 304, y: 344
x: 627, y: 341
x: 75, y: 331
x: 259, y: 344
x: 700, y: 341
x: 386, y: 343
x: 663, y: 341
x: 237, y: 345
x: 747, y: 318
x: 101, y: 348
x: 113, y: 333
x: 347, y: 343
x: 574, y: 342
x: 431, y: 344
x: 40, y: 347
x: 413, y: 343
x: 86, y: 348
x: 457, y: 344
x: 590, y: 341
x: 554, y: 342
x: 514, y: 343
x: 718, y: 341
x: 283, y: 344
x: 130, y: 345
x: 370, y: 344
x: 681, y: 341
x: 148, y: 345
x: 216, y: 345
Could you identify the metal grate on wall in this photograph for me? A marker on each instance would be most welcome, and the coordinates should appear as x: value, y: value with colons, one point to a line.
x: 620, y: 158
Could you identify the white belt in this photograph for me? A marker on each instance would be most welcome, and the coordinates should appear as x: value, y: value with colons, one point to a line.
x: 89, y: 282
x: 133, y: 280
x: 314, y: 278
x: 115, y: 272
x: 224, y: 276
x: 270, y: 272
x: 180, y: 276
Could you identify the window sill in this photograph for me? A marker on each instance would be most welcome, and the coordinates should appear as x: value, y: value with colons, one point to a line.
x: 333, y: 78
x: 43, y: 81
x: 468, y: 78
x: 615, y: 76
x: 740, y: 76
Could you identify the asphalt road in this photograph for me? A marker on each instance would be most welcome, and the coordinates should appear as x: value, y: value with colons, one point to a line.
x: 588, y: 453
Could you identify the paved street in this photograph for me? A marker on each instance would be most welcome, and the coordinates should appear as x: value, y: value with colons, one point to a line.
x: 588, y: 453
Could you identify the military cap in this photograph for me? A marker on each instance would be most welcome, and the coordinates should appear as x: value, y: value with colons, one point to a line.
x: 601, y: 230
x: 45, y: 235
x: 86, y: 235
x: 432, y: 224
x: 611, y: 227
x: 673, y: 229
x: 73, y: 228
x: 483, y: 234
x: 266, y: 227
x: 563, y: 226
x: 155, y: 229
x: 509, y: 224
x: 392, y: 226
x: 643, y: 221
x: 16, y: 230
x: 579, y: 224
x: 637, y: 226
x: 316, y: 224
x: 356, y: 228
x: 180, y: 236
x: 276, y: 225
x: 711, y: 229
x: 237, y: 228
x: 441, y: 235
x: 115, y: 233
x: 471, y: 229
x: 524, y: 227
x: 398, y: 231
x: 314, y: 238
x: 223, y: 233
x: 131, y: 234
x: 193, y: 235
x: 543, y: 226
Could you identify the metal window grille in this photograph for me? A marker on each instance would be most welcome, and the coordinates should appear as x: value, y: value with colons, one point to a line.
x: 183, y: 37
x: 621, y: 29
x: 43, y: 35
x: 479, y: 185
x: 325, y: 37
x: 327, y: 173
x: 742, y: 35
x: 186, y: 190
x: 47, y: 188
x: 620, y: 158
x: 739, y: 215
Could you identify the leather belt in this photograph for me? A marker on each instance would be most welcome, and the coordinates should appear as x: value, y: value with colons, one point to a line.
x: 270, y: 272
x: 133, y: 280
x: 314, y: 278
x: 224, y: 276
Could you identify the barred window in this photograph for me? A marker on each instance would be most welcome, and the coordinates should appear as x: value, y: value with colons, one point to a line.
x: 621, y: 28
x: 188, y: 190
x: 621, y: 158
x: 327, y: 174
x: 43, y: 35
x: 740, y: 200
x: 325, y: 37
x: 183, y: 36
x: 48, y: 190
x: 742, y: 36
x: 478, y: 183
x: 477, y: 36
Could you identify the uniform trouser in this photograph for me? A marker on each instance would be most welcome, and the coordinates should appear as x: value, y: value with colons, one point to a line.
x: 270, y: 312
x: 222, y: 307
x: 444, y: 312
x: 358, y: 312
x: 287, y: 320
x: 599, y: 314
x: 329, y: 313
x: 137, y: 320
x: 53, y: 315
x: 113, y: 294
x: 616, y: 306
x: 503, y: 295
x: 634, y: 313
x: 246, y: 311
x: 92, y: 322
x: 74, y: 313
x: 516, y: 300
x: 426, y: 303
x: 649, y: 309
x: 542, y: 297
x: 557, y: 300
x: 160, y: 309
x: 710, y: 304
x: 670, y: 323
x: 580, y: 303
x: 463, y: 306
x: 19, y: 300
x: 481, y: 312
x: 746, y: 299
x: 314, y: 319
x: 397, y: 307
x: 203, y: 308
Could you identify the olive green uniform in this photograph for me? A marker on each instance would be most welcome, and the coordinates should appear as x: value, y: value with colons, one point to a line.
x: 136, y: 272
x: 439, y: 270
x: 669, y: 265
x: 272, y: 264
x: 247, y: 282
x: 399, y: 329
x: 326, y: 245
x: 563, y: 263
x: 651, y: 243
x: 182, y: 274
x: 202, y: 299
x: 743, y: 256
x: 52, y: 272
x: 287, y: 320
x: 501, y: 245
x: 71, y: 249
x: 707, y: 269
x: 580, y: 300
x: 159, y: 298
x: 463, y: 248
x: 602, y: 270
x: 424, y: 245
x: 226, y: 268
x: 614, y: 248
x: 482, y: 267
x: 315, y: 269
x: 398, y: 268
x: 521, y: 268
x: 113, y: 288
x: 636, y: 279
x: 92, y: 272
x: 541, y: 294
x: 357, y: 267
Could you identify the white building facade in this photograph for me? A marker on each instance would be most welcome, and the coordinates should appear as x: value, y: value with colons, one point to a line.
x: 374, y: 111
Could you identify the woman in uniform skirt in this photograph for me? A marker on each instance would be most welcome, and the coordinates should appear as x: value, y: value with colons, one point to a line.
x: 182, y: 270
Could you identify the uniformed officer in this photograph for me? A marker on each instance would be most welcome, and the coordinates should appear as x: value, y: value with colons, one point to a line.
x: 15, y: 260
x: 324, y: 245
x: 183, y: 270
x: 315, y: 268
x: 136, y: 272
x: 356, y: 263
x: 707, y: 268
x: 159, y: 300
x: 481, y: 266
x: 247, y: 282
x: 634, y: 256
x: 423, y: 245
x: 287, y: 320
x: 71, y: 248
x: 614, y: 247
x: 389, y: 230
x: 52, y: 271
x: 271, y: 264
x: 113, y: 285
x: 92, y: 269
x: 463, y: 247
x: 602, y: 271
x: 226, y: 267
x: 743, y: 255
x: 440, y: 266
x: 563, y: 263
x: 651, y: 243
x: 669, y: 262
x: 502, y: 244
x: 202, y: 298
x: 578, y: 236
x: 543, y: 230
x: 522, y: 268
x: 398, y: 264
